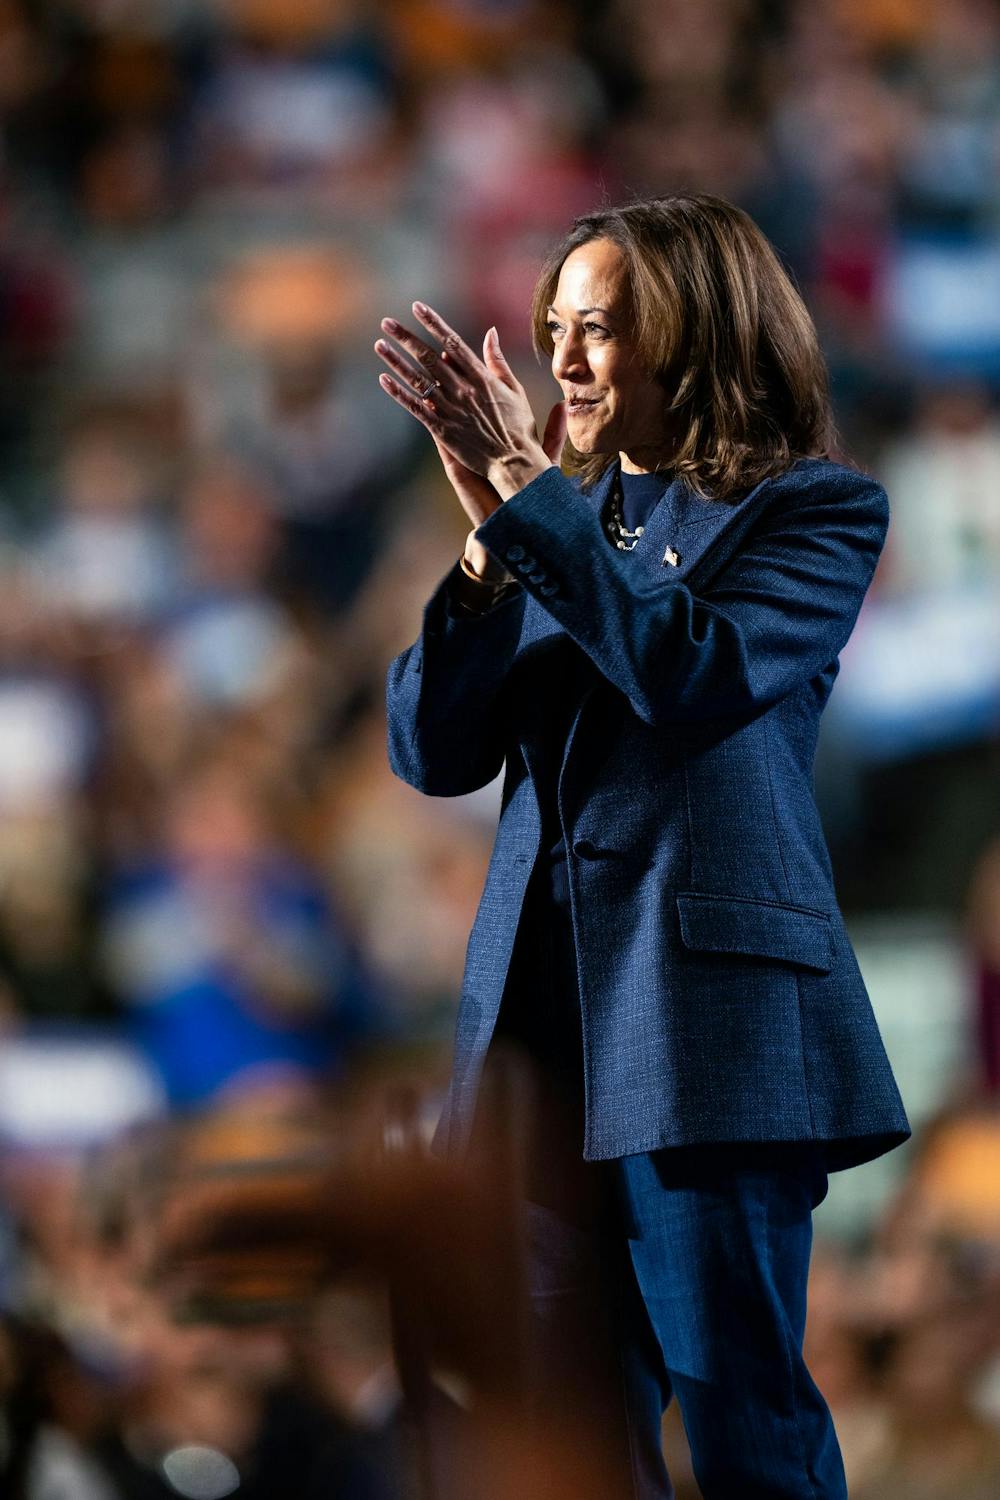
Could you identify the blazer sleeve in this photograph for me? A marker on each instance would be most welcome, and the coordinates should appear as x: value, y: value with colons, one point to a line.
x: 444, y: 694
x: 772, y: 616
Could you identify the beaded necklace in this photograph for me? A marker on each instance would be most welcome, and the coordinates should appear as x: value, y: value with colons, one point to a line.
x: 614, y: 521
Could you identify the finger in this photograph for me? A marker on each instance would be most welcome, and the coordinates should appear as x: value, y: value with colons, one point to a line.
x: 416, y: 377
x: 456, y: 351
x: 555, y: 432
x: 422, y: 410
x: 496, y: 360
x: 430, y: 361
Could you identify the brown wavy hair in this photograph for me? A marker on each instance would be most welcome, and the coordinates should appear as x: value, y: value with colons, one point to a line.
x: 716, y: 320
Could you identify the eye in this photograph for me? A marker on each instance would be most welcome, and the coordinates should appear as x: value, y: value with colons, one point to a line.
x: 553, y: 328
x: 598, y: 328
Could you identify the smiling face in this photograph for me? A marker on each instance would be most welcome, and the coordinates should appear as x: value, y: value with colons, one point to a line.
x: 612, y: 404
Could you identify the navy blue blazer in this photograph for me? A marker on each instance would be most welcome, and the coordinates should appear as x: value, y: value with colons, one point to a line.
x: 720, y: 995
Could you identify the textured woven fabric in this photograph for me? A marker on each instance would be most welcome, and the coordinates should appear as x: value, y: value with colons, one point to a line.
x: 641, y: 494
x: 720, y: 996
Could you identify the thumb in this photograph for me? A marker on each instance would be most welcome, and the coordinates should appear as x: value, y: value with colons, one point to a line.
x: 555, y: 432
x: 494, y: 359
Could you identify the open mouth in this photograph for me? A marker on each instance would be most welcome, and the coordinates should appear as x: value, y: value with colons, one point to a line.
x: 576, y: 405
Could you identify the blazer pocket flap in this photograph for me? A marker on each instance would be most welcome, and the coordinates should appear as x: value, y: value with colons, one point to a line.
x: 766, y: 929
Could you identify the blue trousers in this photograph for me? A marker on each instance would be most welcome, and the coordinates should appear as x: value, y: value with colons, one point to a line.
x: 679, y: 1272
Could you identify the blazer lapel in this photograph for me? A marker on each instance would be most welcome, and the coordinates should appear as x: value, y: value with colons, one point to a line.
x: 682, y: 540
x: 701, y: 535
x: 683, y: 529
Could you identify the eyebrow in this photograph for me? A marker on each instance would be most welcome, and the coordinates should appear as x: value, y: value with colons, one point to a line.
x: 581, y: 312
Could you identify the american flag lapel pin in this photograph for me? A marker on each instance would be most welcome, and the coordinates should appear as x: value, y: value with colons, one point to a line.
x: 671, y: 556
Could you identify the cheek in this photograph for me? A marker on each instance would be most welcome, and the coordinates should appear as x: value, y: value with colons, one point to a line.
x: 621, y: 390
x: 644, y: 406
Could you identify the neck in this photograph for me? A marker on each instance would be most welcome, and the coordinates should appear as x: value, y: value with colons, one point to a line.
x: 644, y: 461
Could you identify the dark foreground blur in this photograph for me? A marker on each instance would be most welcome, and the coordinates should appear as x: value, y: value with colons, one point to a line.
x: 227, y: 934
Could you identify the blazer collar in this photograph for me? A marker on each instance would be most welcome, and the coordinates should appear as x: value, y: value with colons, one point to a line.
x: 681, y: 521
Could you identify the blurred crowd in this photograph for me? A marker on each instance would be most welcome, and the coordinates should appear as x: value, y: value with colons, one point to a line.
x: 216, y: 903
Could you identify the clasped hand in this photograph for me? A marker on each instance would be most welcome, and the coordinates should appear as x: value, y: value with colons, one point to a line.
x: 476, y: 410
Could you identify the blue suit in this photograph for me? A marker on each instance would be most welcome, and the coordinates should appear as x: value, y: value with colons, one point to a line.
x: 721, y: 999
x: 707, y: 1047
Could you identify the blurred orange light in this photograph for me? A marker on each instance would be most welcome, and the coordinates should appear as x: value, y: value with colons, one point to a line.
x: 285, y: 294
x: 961, y: 1177
x: 291, y: 22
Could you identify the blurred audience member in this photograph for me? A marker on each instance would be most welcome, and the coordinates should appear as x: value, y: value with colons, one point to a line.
x: 226, y: 948
x: 106, y: 557
x: 304, y: 420
x: 297, y: 94
x: 944, y: 480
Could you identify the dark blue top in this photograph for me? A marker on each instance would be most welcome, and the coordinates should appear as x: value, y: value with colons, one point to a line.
x: 640, y: 495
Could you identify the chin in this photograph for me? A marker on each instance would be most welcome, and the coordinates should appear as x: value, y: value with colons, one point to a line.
x: 590, y: 443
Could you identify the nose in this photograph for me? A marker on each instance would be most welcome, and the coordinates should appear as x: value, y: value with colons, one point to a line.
x: 569, y: 357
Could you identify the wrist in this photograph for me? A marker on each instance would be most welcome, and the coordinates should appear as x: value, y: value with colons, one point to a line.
x: 511, y: 473
x: 487, y: 572
x: 477, y: 593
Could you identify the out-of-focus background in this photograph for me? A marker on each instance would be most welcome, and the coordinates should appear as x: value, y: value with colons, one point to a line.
x: 216, y: 903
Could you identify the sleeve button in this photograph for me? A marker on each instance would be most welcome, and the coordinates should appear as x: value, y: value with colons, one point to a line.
x: 549, y: 588
x: 515, y: 553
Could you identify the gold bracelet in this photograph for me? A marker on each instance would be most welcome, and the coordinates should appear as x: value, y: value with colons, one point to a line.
x: 492, y: 583
x: 479, y: 597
